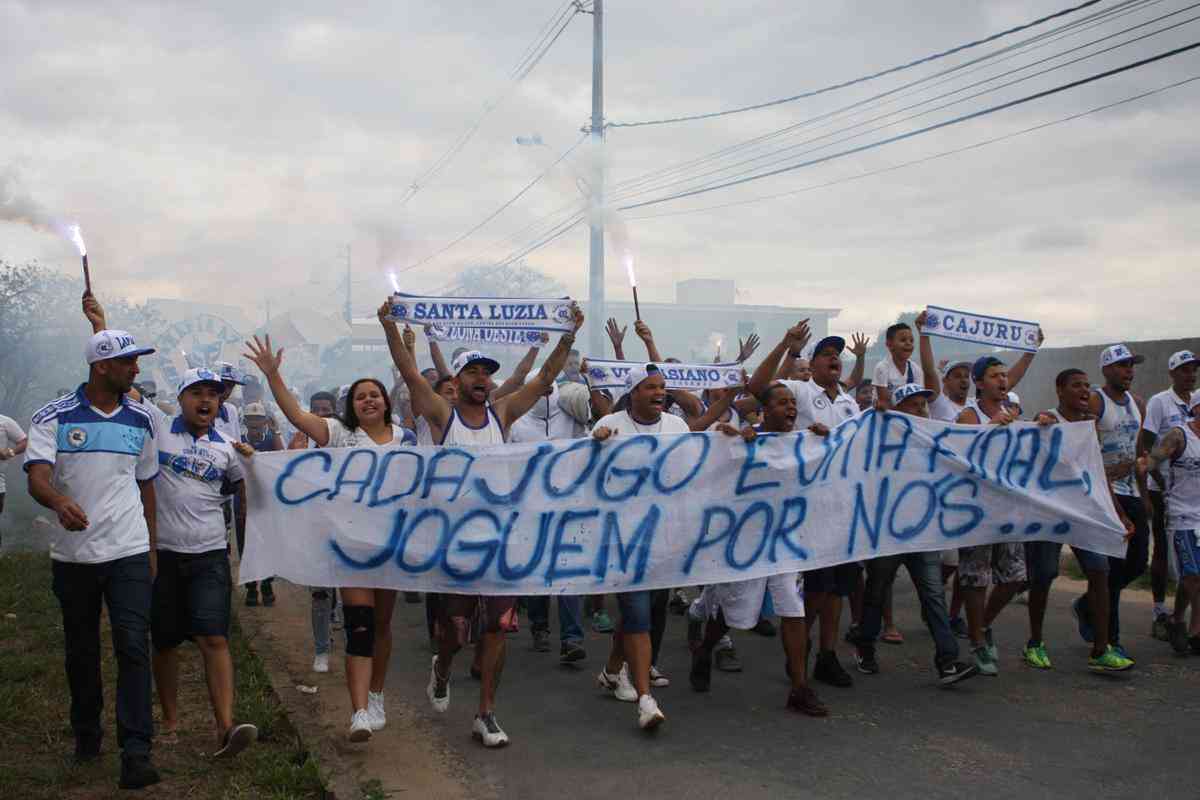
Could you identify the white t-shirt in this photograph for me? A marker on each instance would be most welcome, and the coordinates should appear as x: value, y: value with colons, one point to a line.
x: 1163, y: 411
x: 341, y: 436
x: 625, y: 425
x: 886, y: 374
x: 188, y: 487
x: 944, y: 409
x: 97, y: 460
x: 814, y: 405
x: 11, y: 435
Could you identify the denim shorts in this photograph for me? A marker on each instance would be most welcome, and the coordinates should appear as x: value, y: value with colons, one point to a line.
x: 989, y: 564
x: 1042, y: 559
x: 635, y: 611
x: 191, y: 597
x: 1187, y: 552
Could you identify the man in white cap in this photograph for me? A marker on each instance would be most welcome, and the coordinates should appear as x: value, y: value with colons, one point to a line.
x: 925, y: 569
x: 474, y: 420
x: 92, y: 459
x: 1166, y: 410
x: 1119, y: 414
x: 1180, y: 448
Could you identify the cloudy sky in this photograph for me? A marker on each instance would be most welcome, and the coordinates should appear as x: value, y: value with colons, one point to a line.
x: 232, y: 150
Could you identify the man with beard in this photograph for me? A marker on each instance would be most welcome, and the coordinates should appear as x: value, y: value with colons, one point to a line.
x: 1000, y: 566
x: 1119, y: 414
x: 738, y: 604
x: 1166, y: 410
x: 822, y: 404
x: 1042, y: 558
x: 92, y: 459
x: 473, y: 421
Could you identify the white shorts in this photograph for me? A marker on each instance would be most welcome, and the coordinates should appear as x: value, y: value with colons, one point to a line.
x: 742, y: 601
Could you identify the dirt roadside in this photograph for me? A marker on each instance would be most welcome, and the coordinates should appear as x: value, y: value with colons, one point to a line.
x: 405, y: 759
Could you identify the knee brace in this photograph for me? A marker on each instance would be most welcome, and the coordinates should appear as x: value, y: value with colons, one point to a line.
x: 360, y: 630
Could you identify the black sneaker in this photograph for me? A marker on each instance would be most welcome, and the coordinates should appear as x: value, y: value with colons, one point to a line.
x: 1177, y: 636
x: 865, y: 656
x: 137, y: 773
x: 87, y: 748
x: 701, y: 674
x: 571, y: 652
x: 541, y: 641
x: 268, y: 594
x: 956, y: 671
x: 252, y: 596
x: 828, y: 670
x: 764, y: 627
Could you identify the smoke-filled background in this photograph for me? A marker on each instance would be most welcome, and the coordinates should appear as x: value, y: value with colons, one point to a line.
x: 242, y: 167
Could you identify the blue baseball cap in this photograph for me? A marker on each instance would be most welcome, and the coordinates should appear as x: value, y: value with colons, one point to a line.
x: 980, y: 367
x: 199, y: 375
x: 830, y: 341
x: 908, y: 390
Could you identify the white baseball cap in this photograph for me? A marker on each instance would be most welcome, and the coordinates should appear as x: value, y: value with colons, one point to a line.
x: 1118, y: 353
x: 1182, y: 357
x: 199, y: 375
x: 637, y: 374
x: 469, y: 357
x: 231, y: 373
x: 908, y: 390
x: 953, y: 365
x: 254, y: 410
x: 113, y: 344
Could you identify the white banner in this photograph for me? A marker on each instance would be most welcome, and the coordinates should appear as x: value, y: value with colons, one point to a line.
x: 513, y: 313
x: 608, y: 374
x: 1011, y: 334
x: 499, y: 336
x: 648, y: 512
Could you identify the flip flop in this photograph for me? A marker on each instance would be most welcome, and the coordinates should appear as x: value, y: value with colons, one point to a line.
x: 893, y: 638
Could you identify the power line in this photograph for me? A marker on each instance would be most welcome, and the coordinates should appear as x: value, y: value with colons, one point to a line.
x: 891, y: 70
x: 919, y: 131
x: 923, y: 160
x: 499, y: 210
x: 533, y: 55
x: 861, y: 123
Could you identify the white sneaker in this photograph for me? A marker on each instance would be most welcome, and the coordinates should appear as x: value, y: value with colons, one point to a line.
x: 650, y: 716
x: 440, y: 704
x: 321, y: 662
x: 375, y: 711
x: 618, y: 684
x: 658, y: 679
x: 488, y: 731
x: 360, y: 726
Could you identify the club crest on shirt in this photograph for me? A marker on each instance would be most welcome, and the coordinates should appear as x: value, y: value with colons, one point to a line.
x: 821, y: 402
x: 77, y: 437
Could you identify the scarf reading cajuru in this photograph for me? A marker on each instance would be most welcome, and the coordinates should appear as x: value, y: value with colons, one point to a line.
x: 1011, y: 334
x: 511, y: 313
x: 607, y: 374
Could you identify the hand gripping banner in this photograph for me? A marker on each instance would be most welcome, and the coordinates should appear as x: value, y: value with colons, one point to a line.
x: 648, y: 512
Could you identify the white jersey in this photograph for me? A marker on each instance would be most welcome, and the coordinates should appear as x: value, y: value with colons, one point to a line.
x: 546, y: 421
x: 984, y: 417
x: 1164, y: 411
x: 424, y: 432
x: 11, y: 435
x: 1183, y: 485
x: 944, y: 409
x: 458, y: 433
x: 813, y: 405
x: 888, y: 375
x: 341, y: 436
x: 1118, y: 425
x: 624, y: 424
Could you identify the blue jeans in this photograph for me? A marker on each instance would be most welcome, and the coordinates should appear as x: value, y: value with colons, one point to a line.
x: 926, y: 572
x: 322, y: 610
x: 124, y: 585
x: 570, y: 610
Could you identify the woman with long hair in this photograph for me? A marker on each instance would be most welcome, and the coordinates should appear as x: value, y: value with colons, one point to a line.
x: 366, y: 422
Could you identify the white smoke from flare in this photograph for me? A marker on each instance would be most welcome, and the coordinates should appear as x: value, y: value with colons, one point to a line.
x: 18, y: 205
x: 629, y: 270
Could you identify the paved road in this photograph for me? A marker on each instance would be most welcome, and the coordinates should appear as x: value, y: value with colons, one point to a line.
x: 1065, y: 733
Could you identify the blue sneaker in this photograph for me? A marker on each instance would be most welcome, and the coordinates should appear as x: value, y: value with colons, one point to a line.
x: 1123, y: 653
x: 1086, y: 632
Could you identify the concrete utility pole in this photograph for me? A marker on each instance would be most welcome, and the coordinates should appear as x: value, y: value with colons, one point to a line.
x: 596, y: 313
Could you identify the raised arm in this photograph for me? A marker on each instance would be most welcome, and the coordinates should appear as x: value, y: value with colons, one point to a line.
x: 764, y: 374
x: 517, y: 379
x: 715, y: 411
x: 439, y: 360
x: 647, y: 336
x: 268, y: 361
x: 94, y: 312
x: 748, y: 347
x: 858, y: 347
x: 1018, y: 370
x: 616, y: 335
x: 928, y: 365
x: 513, y: 407
x: 433, y: 406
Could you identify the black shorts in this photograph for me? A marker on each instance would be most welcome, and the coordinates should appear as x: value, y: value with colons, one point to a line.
x: 839, y: 580
x: 191, y: 597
